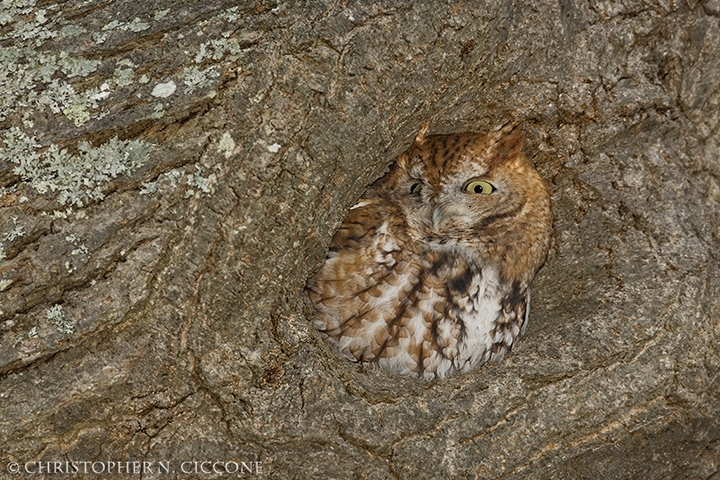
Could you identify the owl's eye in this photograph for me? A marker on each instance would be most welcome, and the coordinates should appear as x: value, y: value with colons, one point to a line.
x: 416, y: 187
x: 479, y: 186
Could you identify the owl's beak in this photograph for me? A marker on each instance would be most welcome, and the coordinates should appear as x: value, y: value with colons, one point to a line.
x: 442, y: 216
x: 437, y: 217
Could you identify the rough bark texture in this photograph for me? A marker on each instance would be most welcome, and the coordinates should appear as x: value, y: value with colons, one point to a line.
x: 173, y: 172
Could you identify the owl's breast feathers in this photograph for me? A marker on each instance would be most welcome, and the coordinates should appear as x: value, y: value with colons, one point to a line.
x: 409, y: 309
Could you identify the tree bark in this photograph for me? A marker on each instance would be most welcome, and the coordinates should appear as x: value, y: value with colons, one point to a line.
x: 172, y: 173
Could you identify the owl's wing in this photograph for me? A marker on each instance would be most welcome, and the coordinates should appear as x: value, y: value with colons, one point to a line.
x: 362, y: 280
x: 512, y: 319
x: 360, y: 226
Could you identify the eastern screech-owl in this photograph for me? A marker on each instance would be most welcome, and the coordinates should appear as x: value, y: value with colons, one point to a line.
x: 430, y: 272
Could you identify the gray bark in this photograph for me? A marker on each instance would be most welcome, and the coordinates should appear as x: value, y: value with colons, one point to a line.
x: 173, y: 172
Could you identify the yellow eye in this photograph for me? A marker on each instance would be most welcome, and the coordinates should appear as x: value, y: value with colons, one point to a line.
x: 416, y: 187
x: 479, y: 186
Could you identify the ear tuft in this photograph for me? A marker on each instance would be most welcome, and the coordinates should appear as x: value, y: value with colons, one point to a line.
x: 509, y: 139
x: 420, y: 137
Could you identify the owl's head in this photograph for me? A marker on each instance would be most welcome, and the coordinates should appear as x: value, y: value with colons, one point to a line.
x: 475, y: 195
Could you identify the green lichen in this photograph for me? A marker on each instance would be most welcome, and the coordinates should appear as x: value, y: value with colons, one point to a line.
x: 27, y: 22
x: 17, y: 231
x: 29, y: 81
x: 11, y: 8
x: 206, y: 185
x: 136, y: 25
x: 32, y: 333
x: 229, y: 49
x: 81, y: 248
x: 77, y: 113
x: 168, y: 181
x: 112, y: 25
x: 194, y: 78
x: 161, y: 14
x: 226, y: 145
x: 148, y: 188
x: 61, y: 214
x: 158, y: 111
x: 56, y: 315
x: 72, y: 30
x: 76, y: 66
x: 231, y: 15
x: 123, y: 76
x: 34, y: 79
x: 78, y: 178
x: 99, y: 38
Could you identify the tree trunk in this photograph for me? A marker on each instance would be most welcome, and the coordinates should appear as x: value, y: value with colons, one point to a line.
x: 172, y: 173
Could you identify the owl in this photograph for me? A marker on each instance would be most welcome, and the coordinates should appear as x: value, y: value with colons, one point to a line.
x: 430, y: 272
